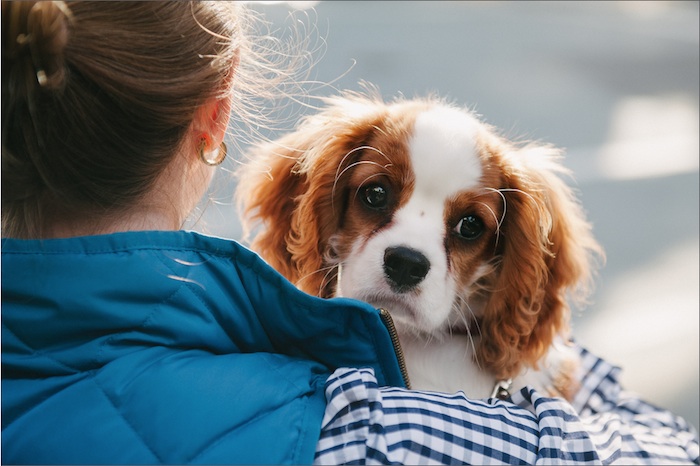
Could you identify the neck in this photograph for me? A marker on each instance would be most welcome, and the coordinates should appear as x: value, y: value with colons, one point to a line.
x: 138, y: 220
x: 165, y: 207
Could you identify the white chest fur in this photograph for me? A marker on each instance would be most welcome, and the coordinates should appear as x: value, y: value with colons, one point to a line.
x: 448, y: 365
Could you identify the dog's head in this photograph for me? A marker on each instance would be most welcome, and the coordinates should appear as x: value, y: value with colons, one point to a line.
x: 418, y: 207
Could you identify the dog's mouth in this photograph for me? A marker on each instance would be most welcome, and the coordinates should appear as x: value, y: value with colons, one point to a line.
x: 395, y: 305
x: 403, y: 311
x: 406, y: 314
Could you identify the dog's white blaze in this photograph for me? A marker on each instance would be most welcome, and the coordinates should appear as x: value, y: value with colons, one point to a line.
x: 445, y: 162
x: 443, y: 152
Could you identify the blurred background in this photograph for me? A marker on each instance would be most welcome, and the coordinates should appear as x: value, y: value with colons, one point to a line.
x: 614, y: 83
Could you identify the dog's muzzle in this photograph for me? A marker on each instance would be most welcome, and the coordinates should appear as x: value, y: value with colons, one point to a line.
x: 404, y: 268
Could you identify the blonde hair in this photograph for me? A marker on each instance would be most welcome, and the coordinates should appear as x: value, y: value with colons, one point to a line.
x: 97, y: 98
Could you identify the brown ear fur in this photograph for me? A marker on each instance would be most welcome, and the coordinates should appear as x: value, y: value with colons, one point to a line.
x: 272, y: 176
x: 299, y: 172
x: 547, y: 253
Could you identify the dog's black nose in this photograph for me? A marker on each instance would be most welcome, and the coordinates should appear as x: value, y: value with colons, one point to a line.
x: 405, y: 267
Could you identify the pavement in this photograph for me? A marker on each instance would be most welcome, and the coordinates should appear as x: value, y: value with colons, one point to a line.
x: 614, y: 83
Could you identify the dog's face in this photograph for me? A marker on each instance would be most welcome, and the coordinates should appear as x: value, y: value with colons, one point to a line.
x: 421, y: 209
x: 418, y: 229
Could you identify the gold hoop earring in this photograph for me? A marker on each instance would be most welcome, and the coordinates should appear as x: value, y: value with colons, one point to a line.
x: 219, y: 156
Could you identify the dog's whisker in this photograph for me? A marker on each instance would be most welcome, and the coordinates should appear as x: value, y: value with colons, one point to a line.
x: 329, y: 269
x: 498, y: 223
x: 463, y: 309
x: 470, y: 335
x: 329, y: 275
x: 353, y: 165
x: 357, y: 191
x: 519, y: 191
x: 379, y: 151
x: 356, y: 149
x: 345, y: 157
x: 493, y: 214
x: 339, y: 174
x: 500, y: 192
x: 360, y: 162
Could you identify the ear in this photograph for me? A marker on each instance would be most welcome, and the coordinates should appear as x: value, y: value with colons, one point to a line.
x: 268, y: 192
x: 211, y: 119
x: 546, y: 254
x: 290, y: 189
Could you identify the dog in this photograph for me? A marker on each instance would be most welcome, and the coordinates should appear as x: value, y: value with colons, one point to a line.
x: 473, y: 243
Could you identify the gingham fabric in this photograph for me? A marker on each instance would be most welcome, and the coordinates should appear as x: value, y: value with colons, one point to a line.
x: 367, y: 424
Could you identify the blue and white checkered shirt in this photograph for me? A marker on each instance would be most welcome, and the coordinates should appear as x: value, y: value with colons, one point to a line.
x: 367, y: 424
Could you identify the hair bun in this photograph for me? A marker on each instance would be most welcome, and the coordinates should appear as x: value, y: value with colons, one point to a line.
x: 35, y: 35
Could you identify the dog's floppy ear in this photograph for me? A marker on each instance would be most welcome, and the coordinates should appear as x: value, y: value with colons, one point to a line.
x: 292, y: 188
x: 546, y: 255
x: 267, y: 192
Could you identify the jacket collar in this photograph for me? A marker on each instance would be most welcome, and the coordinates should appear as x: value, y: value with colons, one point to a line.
x: 85, y: 301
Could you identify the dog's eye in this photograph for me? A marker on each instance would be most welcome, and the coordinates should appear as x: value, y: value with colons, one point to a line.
x: 375, y: 197
x: 470, y: 227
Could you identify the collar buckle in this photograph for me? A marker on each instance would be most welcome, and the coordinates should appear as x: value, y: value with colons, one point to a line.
x: 502, y: 389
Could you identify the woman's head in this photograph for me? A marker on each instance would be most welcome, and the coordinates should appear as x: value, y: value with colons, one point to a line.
x: 98, y: 98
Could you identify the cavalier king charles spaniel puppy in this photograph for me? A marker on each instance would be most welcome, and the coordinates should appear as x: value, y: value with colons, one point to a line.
x: 472, y: 243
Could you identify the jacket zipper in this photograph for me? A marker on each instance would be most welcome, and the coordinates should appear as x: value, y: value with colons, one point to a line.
x: 389, y: 324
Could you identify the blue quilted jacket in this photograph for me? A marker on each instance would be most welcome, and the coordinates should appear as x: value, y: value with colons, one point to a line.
x: 169, y: 347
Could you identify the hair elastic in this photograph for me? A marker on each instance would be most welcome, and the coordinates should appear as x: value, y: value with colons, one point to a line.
x: 29, y: 38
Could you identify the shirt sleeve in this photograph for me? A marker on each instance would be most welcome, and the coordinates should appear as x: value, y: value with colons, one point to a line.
x: 368, y: 424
